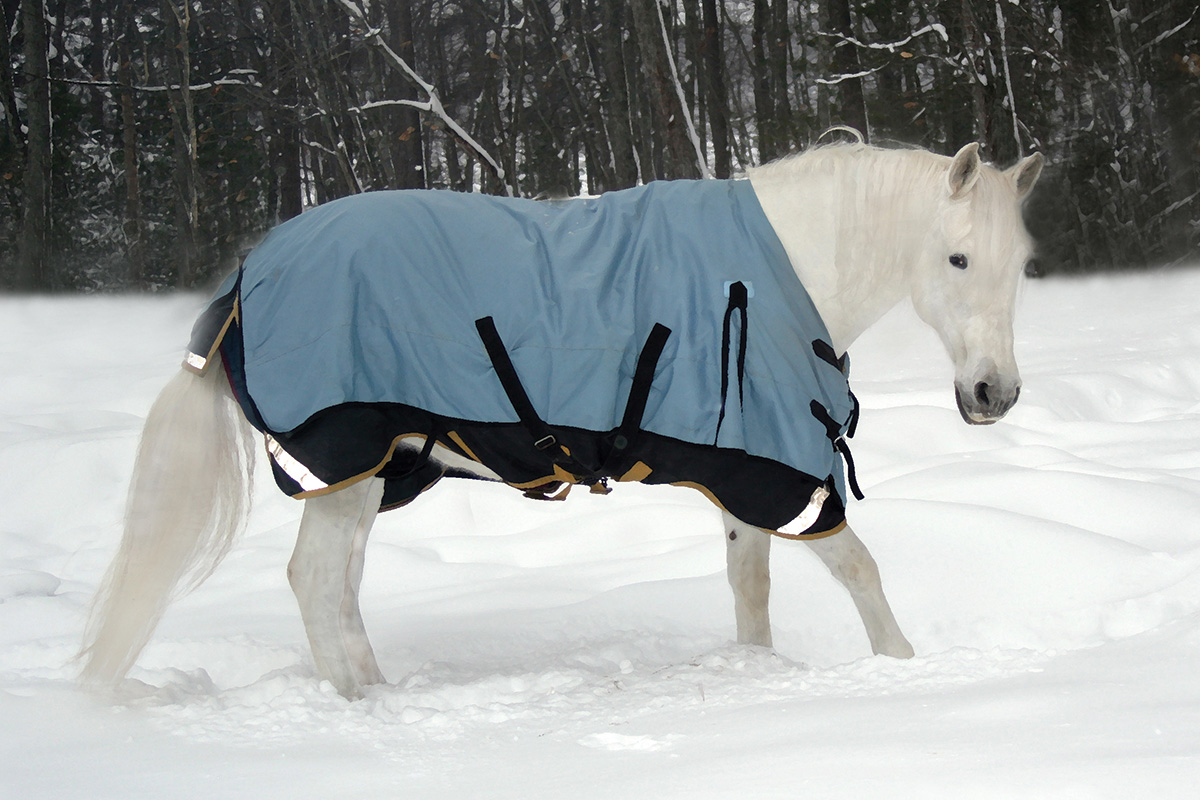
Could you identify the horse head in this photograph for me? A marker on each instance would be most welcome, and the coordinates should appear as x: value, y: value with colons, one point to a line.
x: 964, y: 284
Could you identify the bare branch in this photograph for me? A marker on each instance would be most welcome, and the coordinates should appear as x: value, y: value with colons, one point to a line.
x: 434, y: 103
x: 849, y: 76
x: 891, y: 47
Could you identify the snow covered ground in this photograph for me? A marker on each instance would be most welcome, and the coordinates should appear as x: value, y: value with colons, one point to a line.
x: 1047, y: 570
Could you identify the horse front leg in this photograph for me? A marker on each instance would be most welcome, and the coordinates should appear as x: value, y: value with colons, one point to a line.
x: 354, y: 633
x: 747, y: 559
x: 324, y: 573
x: 848, y: 559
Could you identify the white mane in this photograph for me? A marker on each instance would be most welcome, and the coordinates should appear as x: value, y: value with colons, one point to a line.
x: 853, y: 218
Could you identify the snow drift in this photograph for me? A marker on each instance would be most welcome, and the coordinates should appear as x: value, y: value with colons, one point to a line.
x: 1046, y: 568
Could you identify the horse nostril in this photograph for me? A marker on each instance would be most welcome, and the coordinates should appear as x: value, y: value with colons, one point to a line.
x: 981, y: 393
x: 1017, y: 394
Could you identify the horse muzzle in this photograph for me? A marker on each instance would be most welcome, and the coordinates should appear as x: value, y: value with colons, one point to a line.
x: 987, y: 400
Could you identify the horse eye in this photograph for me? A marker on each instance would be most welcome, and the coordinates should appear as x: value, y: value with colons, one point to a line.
x: 958, y: 260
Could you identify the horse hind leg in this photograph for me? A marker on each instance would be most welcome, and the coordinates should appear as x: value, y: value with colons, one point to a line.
x: 747, y: 558
x: 324, y: 573
x: 848, y: 559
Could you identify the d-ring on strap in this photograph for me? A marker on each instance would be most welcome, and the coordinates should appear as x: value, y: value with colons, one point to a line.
x: 543, y: 437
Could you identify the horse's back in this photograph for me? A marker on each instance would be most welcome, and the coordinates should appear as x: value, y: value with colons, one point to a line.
x: 375, y: 284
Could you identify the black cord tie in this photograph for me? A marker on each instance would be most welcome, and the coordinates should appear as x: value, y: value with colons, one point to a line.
x: 738, y: 300
x: 834, y: 431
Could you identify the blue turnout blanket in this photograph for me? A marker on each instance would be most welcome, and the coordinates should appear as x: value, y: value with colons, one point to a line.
x: 656, y: 334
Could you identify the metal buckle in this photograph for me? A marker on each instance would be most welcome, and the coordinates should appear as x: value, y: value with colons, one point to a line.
x: 545, y: 442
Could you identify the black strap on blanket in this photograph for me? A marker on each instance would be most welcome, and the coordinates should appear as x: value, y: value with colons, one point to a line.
x: 639, y: 392
x: 738, y: 301
x: 834, y: 431
x: 824, y: 351
x: 543, y: 436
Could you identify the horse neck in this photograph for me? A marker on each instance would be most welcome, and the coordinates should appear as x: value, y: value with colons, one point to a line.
x: 846, y: 218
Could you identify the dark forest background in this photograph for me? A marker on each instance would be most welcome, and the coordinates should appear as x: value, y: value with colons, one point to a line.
x: 145, y: 143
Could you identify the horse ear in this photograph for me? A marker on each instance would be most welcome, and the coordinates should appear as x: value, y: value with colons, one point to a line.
x: 964, y: 171
x: 1024, y: 173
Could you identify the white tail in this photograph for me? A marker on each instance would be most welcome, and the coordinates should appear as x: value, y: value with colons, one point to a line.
x: 188, y: 500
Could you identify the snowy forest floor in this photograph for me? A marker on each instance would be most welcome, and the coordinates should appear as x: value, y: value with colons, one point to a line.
x: 1046, y: 569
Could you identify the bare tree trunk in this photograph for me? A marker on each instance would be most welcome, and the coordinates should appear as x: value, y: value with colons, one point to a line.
x: 178, y: 14
x: 716, y: 98
x: 889, y: 117
x: 977, y: 62
x: 1179, y: 118
x: 12, y: 126
x: 679, y: 153
x: 844, y: 64
x: 284, y: 65
x: 313, y: 47
x: 598, y: 142
x: 620, y: 131
x: 693, y: 41
x: 824, y: 61
x: 778, y: 56
x: 96, y: 70
x: 33, y: 268
x: 764, y: 108
x: 132, y: 222
x: 409, y: 153
x: 554, y: 170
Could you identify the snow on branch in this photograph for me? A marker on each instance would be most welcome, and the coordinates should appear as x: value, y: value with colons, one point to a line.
x: 891, y: 47
x: 174, y: 87
x: 420, y: 105
x: 1162, y: 37
x: 835, y: 80
x: 434, y: 103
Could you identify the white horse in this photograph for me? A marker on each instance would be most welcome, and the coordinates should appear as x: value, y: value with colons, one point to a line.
x: 863, y: 228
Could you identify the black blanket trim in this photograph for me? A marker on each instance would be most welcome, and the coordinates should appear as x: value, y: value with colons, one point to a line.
x: 353, y: 439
